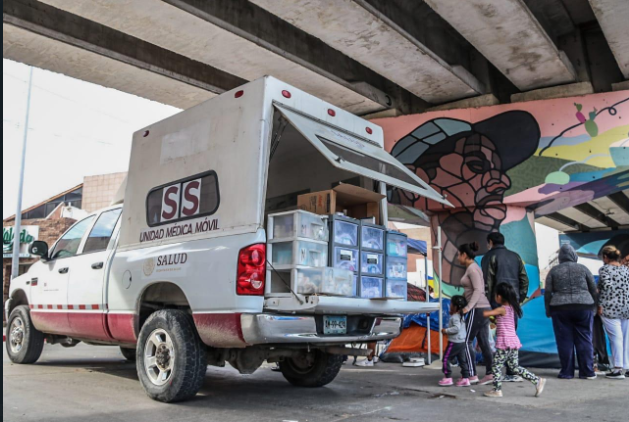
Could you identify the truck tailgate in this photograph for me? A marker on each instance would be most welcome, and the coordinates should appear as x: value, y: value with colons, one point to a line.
x: 346, y: 306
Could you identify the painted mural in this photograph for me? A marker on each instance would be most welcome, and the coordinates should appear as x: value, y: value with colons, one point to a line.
x: 502, y: 166
x: 498, y: 165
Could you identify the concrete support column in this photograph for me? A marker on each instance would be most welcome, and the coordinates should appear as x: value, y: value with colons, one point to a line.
x: 466, y: 225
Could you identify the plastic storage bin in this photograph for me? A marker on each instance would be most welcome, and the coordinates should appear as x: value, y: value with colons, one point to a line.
x: 371, y: 263
x: 397, y: 268
x: 299, y: 252
x: 324, y: 281
x: 372, y: 238
x: 396, y: 289
x: 344, y: 231
x: 298, y: 224
x: 397, y: 245
x: 371, y: 287
x: 345, y: 259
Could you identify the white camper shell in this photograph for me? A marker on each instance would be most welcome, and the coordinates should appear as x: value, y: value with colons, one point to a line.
x: 201, y: 185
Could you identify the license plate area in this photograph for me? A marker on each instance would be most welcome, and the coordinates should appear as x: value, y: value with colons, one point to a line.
x: 334, y: 325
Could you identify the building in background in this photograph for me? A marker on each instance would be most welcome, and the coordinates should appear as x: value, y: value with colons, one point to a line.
x: 50, y: 219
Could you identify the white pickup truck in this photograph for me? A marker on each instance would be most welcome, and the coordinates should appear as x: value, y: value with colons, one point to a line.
x: 174, y: 273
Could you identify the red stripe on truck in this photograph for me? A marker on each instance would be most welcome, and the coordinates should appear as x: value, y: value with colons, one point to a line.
x: 220, y: 330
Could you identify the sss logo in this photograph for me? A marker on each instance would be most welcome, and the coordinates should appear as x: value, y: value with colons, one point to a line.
x: 181, y: 200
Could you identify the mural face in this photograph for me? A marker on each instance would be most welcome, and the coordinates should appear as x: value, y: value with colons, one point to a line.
x: 495, y: 164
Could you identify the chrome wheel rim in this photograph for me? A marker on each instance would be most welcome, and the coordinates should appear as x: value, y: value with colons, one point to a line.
x: 16, y: 342
x: 159, y: 357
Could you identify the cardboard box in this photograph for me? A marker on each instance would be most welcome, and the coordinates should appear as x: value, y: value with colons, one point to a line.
x: 359, y: 202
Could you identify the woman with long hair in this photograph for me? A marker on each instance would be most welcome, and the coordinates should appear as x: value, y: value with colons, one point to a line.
x: 477, y: 325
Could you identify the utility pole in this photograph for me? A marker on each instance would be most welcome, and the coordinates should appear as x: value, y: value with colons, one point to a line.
x: 17, y: 229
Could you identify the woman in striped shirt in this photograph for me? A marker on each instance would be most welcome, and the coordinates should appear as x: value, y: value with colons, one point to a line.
x: 507, y: 341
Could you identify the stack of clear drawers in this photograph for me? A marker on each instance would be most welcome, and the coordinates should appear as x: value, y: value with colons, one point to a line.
x: 396, y: 265
x: 298, y: 253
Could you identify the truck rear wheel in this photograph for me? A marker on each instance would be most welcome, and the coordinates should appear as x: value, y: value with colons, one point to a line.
x: 24, y: 342
x: 312, y: 370
x: 128, y: 354
x: 172, y: 360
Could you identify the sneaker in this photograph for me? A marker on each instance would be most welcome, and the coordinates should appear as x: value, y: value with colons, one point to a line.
x: 593, y: 377
x: 488, y: 379
x: 463, y: 382
x: 615, y: 375
x: 493, y: 394
x: 539, y: 388
x: 446, y: 382
x: 365, y: 363
x: 474, y: 379
x: 512, y: 378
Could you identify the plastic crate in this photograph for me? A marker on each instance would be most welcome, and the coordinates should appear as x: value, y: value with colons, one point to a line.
x: 396, y: 289
x: 371, y: 263
x: 298, y: 224
x: 397, y: 268
x: 371, y: 287
x: 299, y: 252
x: 344, y: 231
x: 345, y: 259
x: 323, y: 281
x: 397, y: 245
x: 372, y: 237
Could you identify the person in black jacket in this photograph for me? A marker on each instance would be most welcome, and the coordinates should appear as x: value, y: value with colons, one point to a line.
x: 500, y: 265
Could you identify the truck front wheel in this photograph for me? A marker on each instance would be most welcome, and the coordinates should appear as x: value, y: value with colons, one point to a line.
x: 172, y: 360
x: 312, y: 370
x: 24, y: 343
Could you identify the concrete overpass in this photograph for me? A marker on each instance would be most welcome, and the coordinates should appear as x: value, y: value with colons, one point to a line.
x: 388, y: 57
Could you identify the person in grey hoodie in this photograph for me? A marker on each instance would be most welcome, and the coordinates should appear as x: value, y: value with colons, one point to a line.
x: 457, y: 345
x: 571, y: 301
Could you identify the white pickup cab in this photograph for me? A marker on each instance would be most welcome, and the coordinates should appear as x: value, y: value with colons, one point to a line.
x: 175, y: 271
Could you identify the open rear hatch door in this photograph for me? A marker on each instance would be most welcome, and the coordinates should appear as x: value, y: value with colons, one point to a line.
x: 348, y: 152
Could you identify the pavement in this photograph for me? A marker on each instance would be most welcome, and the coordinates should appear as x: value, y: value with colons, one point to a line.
x: 95, y: 384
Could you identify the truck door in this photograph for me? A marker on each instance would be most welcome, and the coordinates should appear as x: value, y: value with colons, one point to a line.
x: 49, y: 286
x: 87, y: 281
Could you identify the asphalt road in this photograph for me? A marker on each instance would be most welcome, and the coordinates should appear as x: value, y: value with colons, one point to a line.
x: 87, y: 384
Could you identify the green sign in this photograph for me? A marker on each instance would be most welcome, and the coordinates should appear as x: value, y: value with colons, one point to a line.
x: 27, y: 236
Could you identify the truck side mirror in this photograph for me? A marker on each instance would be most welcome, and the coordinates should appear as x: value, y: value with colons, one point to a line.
x: 40, y: 249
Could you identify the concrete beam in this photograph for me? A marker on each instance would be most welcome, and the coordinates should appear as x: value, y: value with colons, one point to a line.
x: 42, y: 36
x: 219, y: 44
x: 613, y: 16
x: 620, y: 86
x: 480, y: 101
x: 561, y: 91
x: 360, y: 31
x: 509, y: 36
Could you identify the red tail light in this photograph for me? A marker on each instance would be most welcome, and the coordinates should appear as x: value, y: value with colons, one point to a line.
x: 251, y: 271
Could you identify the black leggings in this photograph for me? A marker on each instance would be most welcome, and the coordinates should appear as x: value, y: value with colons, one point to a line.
x: 477, y: 327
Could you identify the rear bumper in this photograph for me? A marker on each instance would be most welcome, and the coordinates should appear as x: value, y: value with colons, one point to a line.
x: 261, y: 329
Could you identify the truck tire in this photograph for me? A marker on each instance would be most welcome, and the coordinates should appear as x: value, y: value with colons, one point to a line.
x: 128, y: 354
x: 24, y: 342
x: 313, y: 370
x: 171, y: 359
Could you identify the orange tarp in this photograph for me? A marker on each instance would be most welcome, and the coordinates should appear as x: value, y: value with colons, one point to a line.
x: 413, y: 340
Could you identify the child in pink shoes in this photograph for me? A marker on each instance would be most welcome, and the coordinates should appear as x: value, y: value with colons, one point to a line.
x: 457, y: 347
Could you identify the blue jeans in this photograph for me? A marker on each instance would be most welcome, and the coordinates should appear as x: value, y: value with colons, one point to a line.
x: 573, y: 332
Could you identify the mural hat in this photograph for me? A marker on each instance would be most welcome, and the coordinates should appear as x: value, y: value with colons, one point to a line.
x: 515, y: 135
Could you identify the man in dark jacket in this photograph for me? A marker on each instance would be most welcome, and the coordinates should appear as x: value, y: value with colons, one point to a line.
x: 500, y: 265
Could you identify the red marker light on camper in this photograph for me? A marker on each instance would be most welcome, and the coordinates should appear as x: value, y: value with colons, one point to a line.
x: 331, y: 112
x: 286, y: 94
x: 146, y: 133
x: 239, y: 94
x: 368, y: 130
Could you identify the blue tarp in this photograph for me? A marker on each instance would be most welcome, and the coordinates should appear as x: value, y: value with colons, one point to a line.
x: 417, y: 246
x: 422, y: 319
